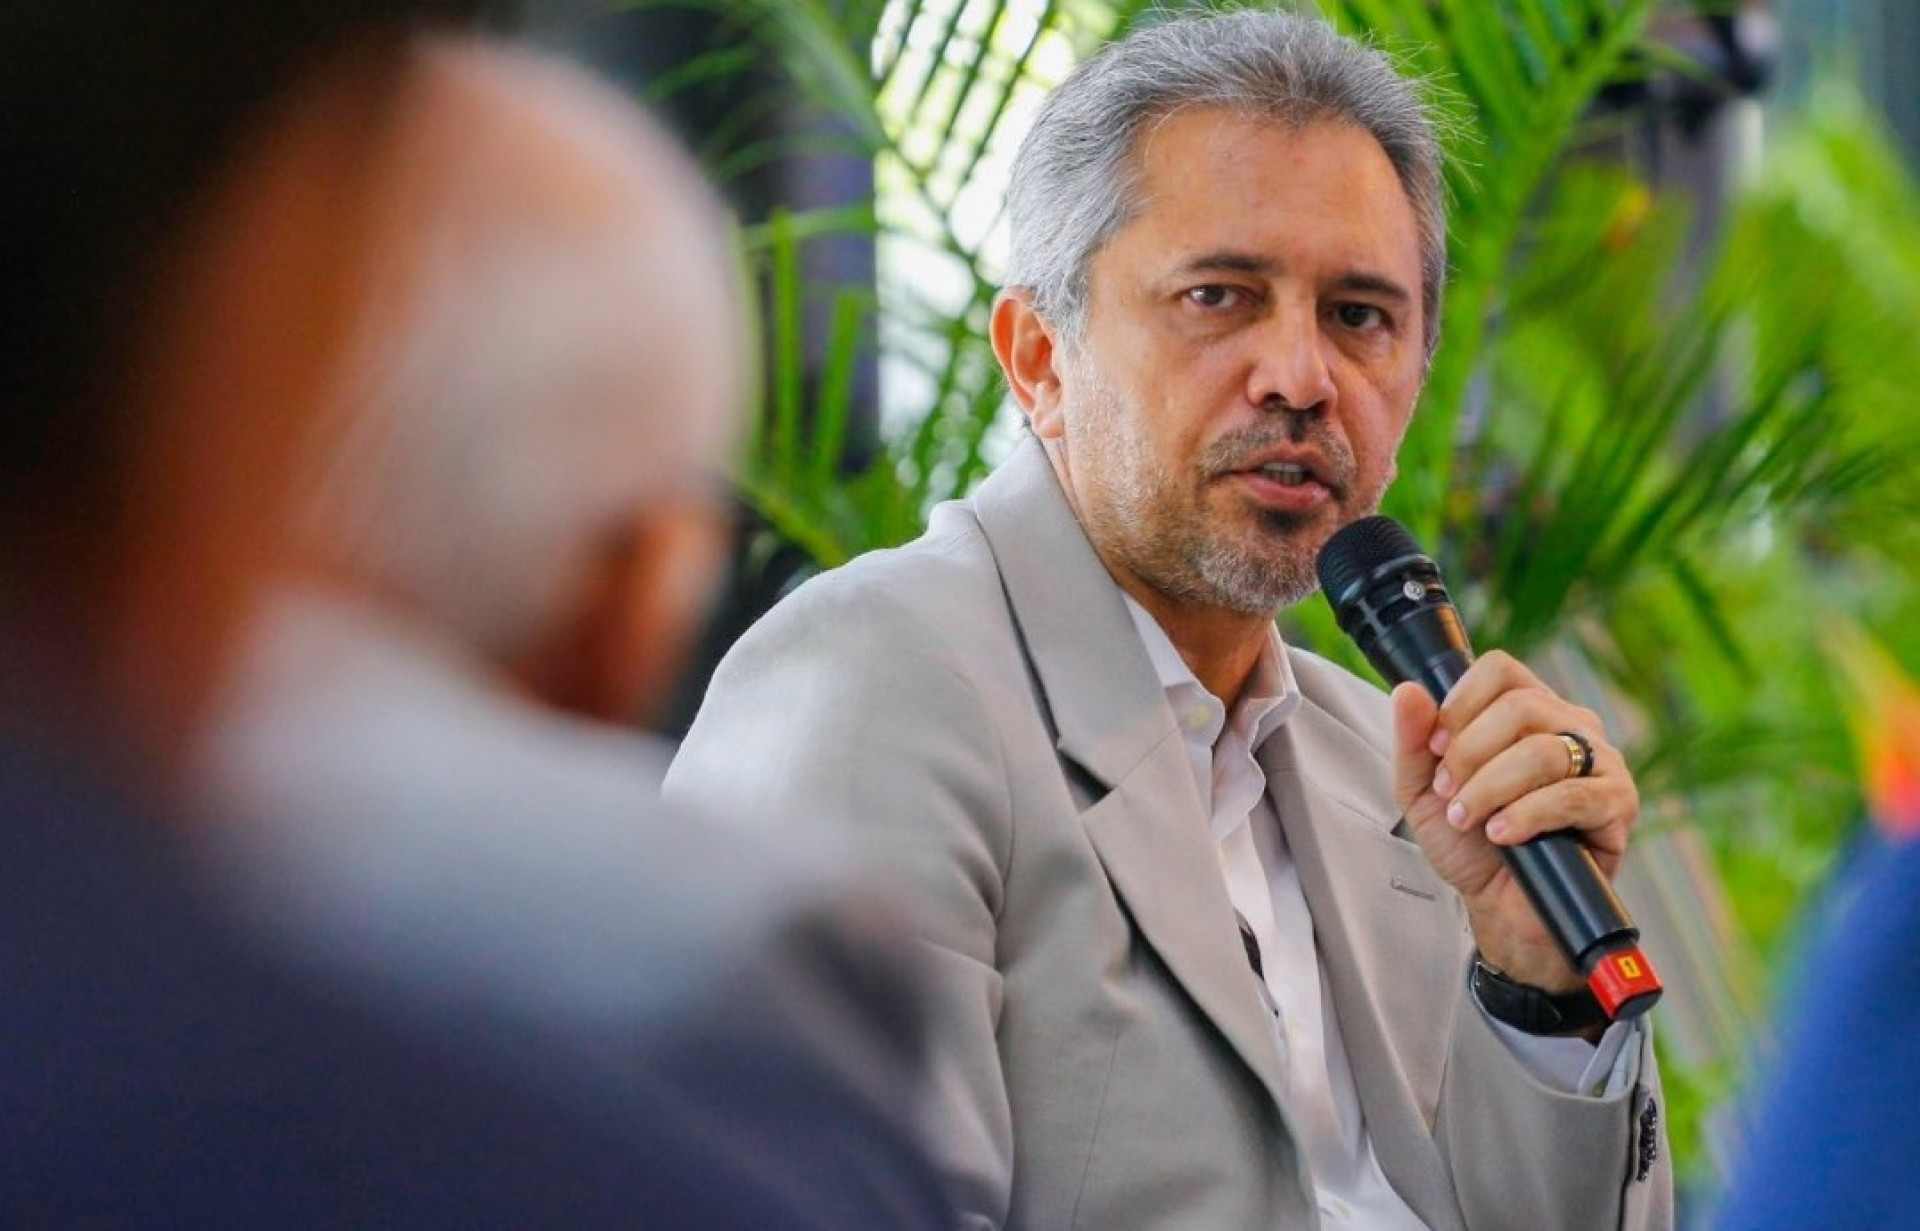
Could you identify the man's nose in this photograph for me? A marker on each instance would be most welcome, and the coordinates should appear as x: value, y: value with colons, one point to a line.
x: 1291, y: 369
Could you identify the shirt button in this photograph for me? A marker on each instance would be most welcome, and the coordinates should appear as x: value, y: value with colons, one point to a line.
x: 1197, y: 717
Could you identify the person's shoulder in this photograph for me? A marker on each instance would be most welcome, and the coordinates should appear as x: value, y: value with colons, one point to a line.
x: 762, y: 1077
x: 950, y: 554
x: 936, y: 589
x: 1355, y: 703
x: 625, y: 904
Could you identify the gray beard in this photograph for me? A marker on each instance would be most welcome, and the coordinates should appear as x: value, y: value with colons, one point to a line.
x: 1238, y: 582
x: 1204, y: 570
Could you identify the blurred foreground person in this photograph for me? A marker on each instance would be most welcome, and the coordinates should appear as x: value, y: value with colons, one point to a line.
x: 185, y: 230
x: 509, y: 525
x: 1834, y: 1137
x: 161, y: 1069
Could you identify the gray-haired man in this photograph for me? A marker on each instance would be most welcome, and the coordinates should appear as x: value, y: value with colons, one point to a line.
x: 1201, y: 907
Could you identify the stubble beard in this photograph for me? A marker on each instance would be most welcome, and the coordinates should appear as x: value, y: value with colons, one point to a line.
x: 1158, y: 526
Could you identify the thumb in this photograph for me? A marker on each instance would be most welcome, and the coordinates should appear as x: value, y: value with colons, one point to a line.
x: 1415, y: 716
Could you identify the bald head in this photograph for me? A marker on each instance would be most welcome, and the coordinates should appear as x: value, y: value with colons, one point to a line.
x: 549, y: 368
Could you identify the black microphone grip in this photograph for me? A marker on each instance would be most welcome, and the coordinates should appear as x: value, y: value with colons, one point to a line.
x: 1390, y: 599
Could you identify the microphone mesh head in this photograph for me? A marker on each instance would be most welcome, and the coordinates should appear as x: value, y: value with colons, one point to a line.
x: 1358, y: 549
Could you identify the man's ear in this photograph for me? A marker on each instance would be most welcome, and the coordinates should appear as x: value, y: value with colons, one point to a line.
x: 1023, y: 342
x: 621, y: 648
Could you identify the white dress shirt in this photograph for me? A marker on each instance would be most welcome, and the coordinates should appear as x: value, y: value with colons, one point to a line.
x: 1323, y: 1105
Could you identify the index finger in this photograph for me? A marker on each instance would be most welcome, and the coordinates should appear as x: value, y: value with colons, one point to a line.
x: 1492, y: 675
x: 1414, y: 714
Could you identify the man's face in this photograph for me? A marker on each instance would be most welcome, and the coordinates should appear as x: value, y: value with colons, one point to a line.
x: 1252, y: 353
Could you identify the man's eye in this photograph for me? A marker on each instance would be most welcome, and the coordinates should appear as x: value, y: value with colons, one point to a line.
x: 1360, y: 315
x: 1213, y: 295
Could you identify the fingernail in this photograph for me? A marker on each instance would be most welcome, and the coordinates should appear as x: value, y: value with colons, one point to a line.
x: 1442, y: 783
x: 1496, y: 827
x: 1438, y: 744
x: 1456, y: 814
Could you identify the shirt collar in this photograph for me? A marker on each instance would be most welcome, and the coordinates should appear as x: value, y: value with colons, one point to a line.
x: 1269, y: 699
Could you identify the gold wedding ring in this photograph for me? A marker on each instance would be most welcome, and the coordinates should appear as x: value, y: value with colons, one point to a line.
x: 1579, y: 754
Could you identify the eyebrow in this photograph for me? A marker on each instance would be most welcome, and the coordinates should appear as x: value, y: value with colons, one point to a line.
x: 1245, y: 263
x: 1374, y: 284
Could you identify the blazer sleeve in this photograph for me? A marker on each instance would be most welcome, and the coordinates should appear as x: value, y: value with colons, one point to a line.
x: 845, y: 704
x: 1523, y: 1155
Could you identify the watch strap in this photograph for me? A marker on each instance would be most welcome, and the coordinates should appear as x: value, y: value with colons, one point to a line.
x: 1533, y: 1010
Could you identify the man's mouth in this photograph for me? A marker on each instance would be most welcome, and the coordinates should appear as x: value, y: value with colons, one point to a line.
x: 1288, y: 474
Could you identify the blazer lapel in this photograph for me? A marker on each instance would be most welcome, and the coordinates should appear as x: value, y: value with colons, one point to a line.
x: 1111, y: 719
x: 1387, y: 927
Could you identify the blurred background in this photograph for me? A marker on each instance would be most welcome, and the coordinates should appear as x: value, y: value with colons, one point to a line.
x: 1668, y: 449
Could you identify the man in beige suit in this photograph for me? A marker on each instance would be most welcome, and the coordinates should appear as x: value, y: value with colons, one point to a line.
x: 1200, y: 909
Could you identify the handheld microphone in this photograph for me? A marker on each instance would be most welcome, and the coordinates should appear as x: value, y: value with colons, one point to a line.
x: 1389, y: 598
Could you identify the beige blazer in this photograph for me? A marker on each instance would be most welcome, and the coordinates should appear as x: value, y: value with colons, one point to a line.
x: 980, y: 707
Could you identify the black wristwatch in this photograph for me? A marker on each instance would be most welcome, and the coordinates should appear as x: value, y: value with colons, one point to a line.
x: 1531, y: 1009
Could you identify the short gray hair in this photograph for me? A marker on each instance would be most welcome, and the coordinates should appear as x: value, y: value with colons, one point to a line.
x: 1073, y: 185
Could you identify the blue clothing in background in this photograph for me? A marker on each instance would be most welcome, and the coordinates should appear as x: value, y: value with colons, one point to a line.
x: 1836, y: 1139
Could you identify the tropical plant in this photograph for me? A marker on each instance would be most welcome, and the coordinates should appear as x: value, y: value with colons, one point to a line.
x: 932, y: 93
